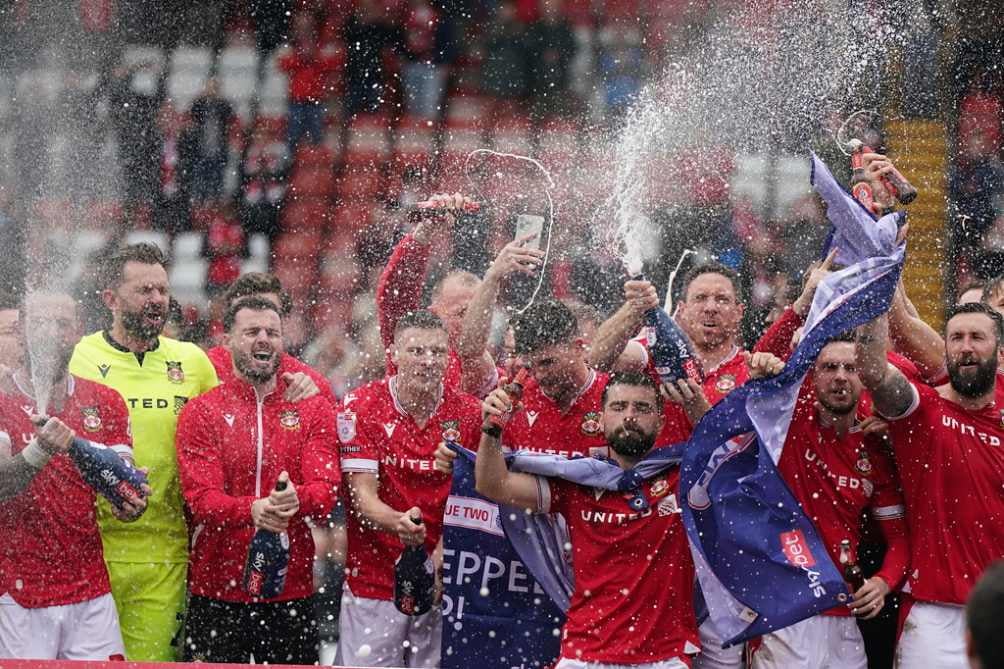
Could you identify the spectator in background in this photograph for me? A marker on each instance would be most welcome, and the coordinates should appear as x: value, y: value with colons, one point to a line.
x: 428, y: 51
x: 504, y: 72
x: 977, y: 188
x: 134, y: 112
x: 309, y: 69
x: 173, y: 213
x: 550, y: 48
x: 264, y: 167
x: 224, y: 248
x: 206, y: 143
x: 367, y: 34
x: 985, y: 620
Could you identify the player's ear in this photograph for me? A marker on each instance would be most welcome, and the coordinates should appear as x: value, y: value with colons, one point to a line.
x: 109, y: 297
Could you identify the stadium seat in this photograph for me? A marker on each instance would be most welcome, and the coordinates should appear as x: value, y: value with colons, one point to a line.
x: 237, y: 74
x: 351, y: 218
x: 305, y: 214
x: 309, y: 155
x: 312, y: 182
x: 360, y: 184
x: 188, y: 245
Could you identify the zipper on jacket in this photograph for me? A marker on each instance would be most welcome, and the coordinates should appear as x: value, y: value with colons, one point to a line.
x: 260, y: 405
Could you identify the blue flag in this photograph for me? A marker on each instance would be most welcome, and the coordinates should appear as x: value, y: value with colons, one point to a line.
x: 495, y: 613
x: 760, y: 562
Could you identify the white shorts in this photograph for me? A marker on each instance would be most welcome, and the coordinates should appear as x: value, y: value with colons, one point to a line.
x: 373, y: 633
x: 674, y: 663
x: 934, y: 635
x: 83, y: 631
x: 712, y: 655
x: 820, y: 642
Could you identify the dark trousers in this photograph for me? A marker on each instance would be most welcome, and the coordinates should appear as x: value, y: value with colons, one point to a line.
x: 274, y: 633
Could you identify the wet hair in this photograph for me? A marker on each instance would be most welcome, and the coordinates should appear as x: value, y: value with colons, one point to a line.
x: 466, y: 279
x: 584, y: 313
x: 978, y: 308
x: 543, y: 324
x: 259, y: 283
x: 423, y: 319
x: 847, y: 336
x: 637, y: 379
x: 971, y: 284
x: 990, y: 288
x: 985, y: 617
x: 253, y: 303
x: 113, y: 267
x: 710, y: 267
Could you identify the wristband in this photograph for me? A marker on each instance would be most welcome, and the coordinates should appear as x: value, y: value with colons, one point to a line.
x: 35, y: 455
x: 492, y: 430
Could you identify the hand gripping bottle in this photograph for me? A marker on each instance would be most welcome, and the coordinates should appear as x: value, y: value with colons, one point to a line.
x: 105, y: 471
x: 852, y: 571
x: 514, y: 389
x: 670, y: 348
x: 267, y: 561
x: 414, y: 581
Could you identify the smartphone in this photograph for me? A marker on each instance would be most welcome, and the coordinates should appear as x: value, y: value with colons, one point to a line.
x: 528, y: 224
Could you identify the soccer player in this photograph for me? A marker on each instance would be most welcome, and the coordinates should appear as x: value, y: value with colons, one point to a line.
x: 402, y: 285
x: 948, y: 448
x: 55, y: 598
x: 234, y: 443
x: 634, y: 577
x: 147, y: 560
x: 836, y: 473
x: 389, y: 430
x: 985, y: 620
x: 301, y: 380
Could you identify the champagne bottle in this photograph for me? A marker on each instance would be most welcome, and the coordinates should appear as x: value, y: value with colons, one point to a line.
x: 852, y: 571
x: 670, y: 348
x: 514, y: 389
x: 268, y: 560
x: 414, y: 581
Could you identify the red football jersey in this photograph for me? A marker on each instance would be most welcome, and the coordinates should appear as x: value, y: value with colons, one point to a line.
x: 51, y: 553
x: 951, y: 464
x: 224, y: 365
x: 378, y: 437
x: 634, y: 576
x: 836, y: 479
x: 728, y: 375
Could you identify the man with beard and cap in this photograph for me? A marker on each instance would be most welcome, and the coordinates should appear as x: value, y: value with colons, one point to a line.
x: 634, y: 576
x: 55, y: 598
x: 234, y: 443
x: 389, y: 430
x: 837, y: 472
x: 948, y: 443
x: 147, y: 560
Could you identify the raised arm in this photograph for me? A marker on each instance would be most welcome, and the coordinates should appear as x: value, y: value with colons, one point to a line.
x: 492, y: 477
x: 914, y: 338
x: 609, y: 348
x: 892, y: 393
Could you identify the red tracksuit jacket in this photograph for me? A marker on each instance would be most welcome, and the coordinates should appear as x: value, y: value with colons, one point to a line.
x: 231, y: 449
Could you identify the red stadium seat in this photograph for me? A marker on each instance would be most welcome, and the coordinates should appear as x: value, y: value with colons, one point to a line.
x: 351, y: 218
x: 360, y: 184
x: 312, y: 182
x: 305, y: 214
x: 309, y: 155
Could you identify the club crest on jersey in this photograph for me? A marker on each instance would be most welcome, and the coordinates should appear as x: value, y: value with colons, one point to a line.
x: 451, y: 430
x: 591, y: 424
x: 725, y: 383
x: 92, y: 418
x: 659, y: 488
x: 863, y: 465
x: 346, y: 426
x: 174, y: 372
x: 290, y: 419
x: 104, y: 369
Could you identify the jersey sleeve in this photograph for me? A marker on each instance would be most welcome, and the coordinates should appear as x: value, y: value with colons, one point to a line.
x: 888, y: 508
x: 777, y: 338
x: 200, y: 470
x: 359, y: 452
x: 204, y: 369
x: 401, y: 284
x: 553, y: 494
x: 320, y: 468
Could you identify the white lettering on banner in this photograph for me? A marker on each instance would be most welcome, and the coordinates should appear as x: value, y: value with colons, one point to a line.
x: 415, y: 464
x: 473, y: 514
x: 969, y: 430
x: 487, y: 571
